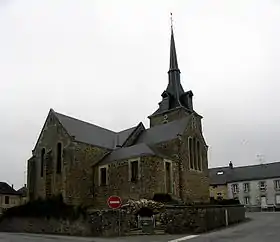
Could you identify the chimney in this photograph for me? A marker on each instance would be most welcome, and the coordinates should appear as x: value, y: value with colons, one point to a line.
x: 25, y: 185
x: 13, y: 186
x: 230, y: 165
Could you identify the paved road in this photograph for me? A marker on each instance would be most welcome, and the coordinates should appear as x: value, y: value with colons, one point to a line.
x: 264, y: 227
x: 6, y: 237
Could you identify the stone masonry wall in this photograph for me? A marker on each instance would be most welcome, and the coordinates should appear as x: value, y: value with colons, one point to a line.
x: 79, y: 173
x: 154, y: 177
x: 196, y: 219
x: 52, y: 133
x: 99, y: 223
x: 219, y: 189
x: 172, y: 115
x: 75, y: 182
x: 195, y: 184
x: 173, y: 220
x: 31, y: 178
x: 152, y: 180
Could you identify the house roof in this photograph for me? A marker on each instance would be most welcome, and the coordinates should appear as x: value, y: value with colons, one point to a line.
x: 244, y: 173
x: 23, y: 191
x: 93, y: 134
x: 6, y: 189
x: 218, y: 176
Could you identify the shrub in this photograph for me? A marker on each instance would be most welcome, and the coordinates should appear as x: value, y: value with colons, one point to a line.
x: 166, y: 199
x: 224, y: 201
x: 49, y: 208
x: 162, y: 197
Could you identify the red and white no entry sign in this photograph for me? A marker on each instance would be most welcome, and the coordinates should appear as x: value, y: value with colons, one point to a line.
x: 114, y: 202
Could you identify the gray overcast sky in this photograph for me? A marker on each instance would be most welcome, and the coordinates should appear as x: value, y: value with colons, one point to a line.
x: 106, y: 62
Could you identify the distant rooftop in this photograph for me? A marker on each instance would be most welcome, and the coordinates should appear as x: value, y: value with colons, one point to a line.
x: 6, y: 189
x: 23, y: 191
x: 223, y: 175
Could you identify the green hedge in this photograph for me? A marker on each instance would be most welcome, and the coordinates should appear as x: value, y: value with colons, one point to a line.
x: 50, y: 208
x: 224, y: 201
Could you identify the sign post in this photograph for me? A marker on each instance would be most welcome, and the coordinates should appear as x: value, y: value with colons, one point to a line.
x: 115, y: 202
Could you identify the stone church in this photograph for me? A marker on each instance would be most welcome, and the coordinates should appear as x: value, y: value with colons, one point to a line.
x: 86, y: 163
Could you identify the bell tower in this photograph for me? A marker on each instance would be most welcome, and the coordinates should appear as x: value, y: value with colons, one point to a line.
x: 175, y: 103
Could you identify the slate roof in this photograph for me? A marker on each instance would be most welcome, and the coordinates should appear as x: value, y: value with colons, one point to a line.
x: 6, y: 189
x: 93, y: 134
x: 23, y: 191
x: 130, y: 152
x: 244, y: 173
x: 174, y: 90
x: 98, y: 136
x: 216, y: 179
x: 163, y: 132
x: 143, y: 145
x: 123, y: 135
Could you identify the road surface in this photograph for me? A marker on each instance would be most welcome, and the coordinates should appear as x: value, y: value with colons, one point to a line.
x: 263, y: 227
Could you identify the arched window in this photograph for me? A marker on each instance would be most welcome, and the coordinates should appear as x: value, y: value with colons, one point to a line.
x: 58, y: 157
x: 198, y: 156
x: 195, y: 154
x: 43, y: 151
x: 190, y: 153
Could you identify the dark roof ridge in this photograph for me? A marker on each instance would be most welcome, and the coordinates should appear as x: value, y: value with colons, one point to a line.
x: 86, y: 122
x: 133, y: 127
x: 264, y: 164
x: 80, y: 120
x: 218, y: 167
x: 5, y: 188
x: 244, y: 166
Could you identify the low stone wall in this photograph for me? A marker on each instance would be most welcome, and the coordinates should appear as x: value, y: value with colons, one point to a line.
x: 173, y: 220
x: 99, y: 223
x: 45, y: 226
x: 198, y: 219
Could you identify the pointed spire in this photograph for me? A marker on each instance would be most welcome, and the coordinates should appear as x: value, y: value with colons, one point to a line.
x: 174, y: 87
x: 173, y: 56
x: 174, y: 95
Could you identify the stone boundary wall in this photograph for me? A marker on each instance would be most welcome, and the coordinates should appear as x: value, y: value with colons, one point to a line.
x: 199, y: 219
x: 99, y: 223
x: 173, y: 220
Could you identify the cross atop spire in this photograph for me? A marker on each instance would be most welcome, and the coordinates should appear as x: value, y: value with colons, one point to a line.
x: 173, y: 56
x: 171, y: 22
